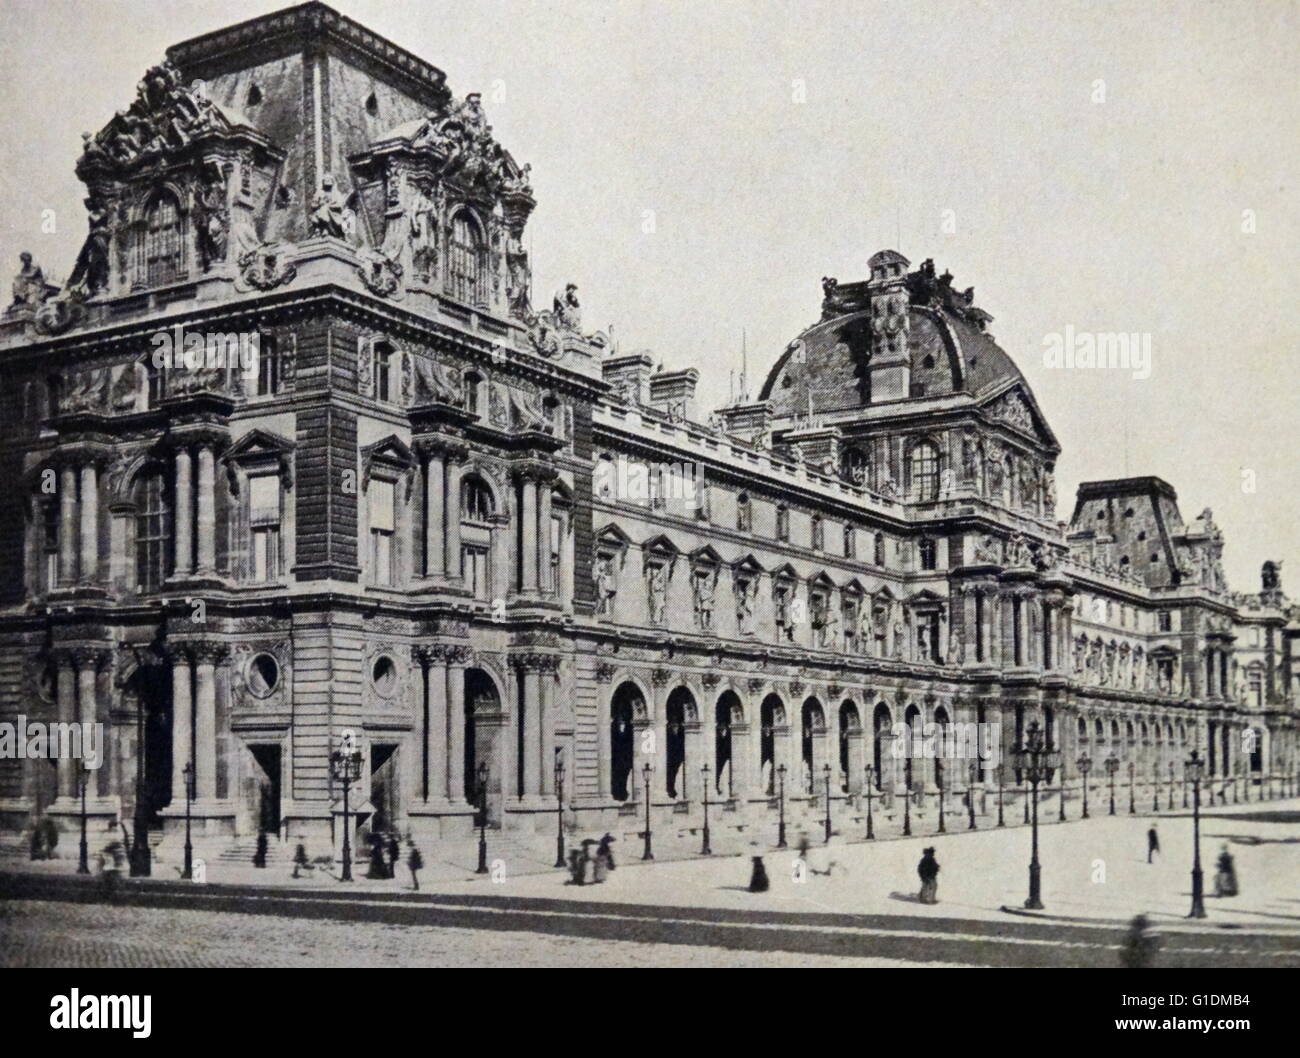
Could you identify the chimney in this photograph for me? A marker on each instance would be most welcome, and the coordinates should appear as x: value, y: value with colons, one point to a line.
x: 629, y: 375
x: 673, y: 392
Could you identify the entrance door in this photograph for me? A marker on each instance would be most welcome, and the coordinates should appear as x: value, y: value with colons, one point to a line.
x: 267, y: 774
x: 385, y: 786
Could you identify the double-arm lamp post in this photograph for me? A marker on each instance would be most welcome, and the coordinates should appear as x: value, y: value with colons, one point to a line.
x: 1035, y: 759
x: 346, y: 769
x: 1194, y: 770
x: 1085, y: 766
x: 1112, y: 766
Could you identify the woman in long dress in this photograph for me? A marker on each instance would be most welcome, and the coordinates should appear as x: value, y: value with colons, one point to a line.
x: 1225, y: 878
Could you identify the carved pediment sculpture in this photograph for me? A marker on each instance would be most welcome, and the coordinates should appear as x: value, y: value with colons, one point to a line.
x: 265, y: 268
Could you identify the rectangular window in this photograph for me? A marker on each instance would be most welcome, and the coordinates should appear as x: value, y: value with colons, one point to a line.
x: 382, y: 523
x: 1164, y: 621
x: 383, y: 369
x: 50, y: 543
x: 268, y: 366
x: 474, y: 569
x: 264, y: 526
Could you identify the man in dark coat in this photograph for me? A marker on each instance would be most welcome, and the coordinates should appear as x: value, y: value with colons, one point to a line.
x: 1153, y: 843
x: 928, y: 870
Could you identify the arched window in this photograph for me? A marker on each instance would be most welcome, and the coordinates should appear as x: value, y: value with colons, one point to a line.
x: 268, y: 366
x: 162, y: 257
x: 382, y: 370
x: 923, y: 469
x: 471, y: 381
x: 850, y: 542
x: 818, y: 537
x: 878, y: 550
x: 466, y: 271
x: 153, y: 530
x: 475, y: 501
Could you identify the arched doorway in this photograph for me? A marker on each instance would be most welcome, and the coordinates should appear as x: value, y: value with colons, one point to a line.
x: 727, y: 712
x: 882, y: 724
x: 813, y: 731
x: 627, y: 703
x: 481, y: 699
x: 771, y: 716
x: 850, y: 728
x: 680, y: 709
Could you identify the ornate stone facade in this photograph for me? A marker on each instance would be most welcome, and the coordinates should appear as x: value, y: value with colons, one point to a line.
x: 467, y: 535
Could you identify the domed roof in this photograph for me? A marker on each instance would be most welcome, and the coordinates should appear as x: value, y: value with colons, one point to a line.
x: 947, y: 346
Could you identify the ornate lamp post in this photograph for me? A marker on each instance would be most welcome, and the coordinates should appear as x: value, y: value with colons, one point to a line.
x: 1112, y: 766
x: 1184, y: 787
x: 1085, y: 766
x: 1172, y: 769
x: 645, y: 779
x: 559, y: 807
x: 83, y: 864
x: 1000, y: 773
x: 1193, y: 770
x: 1061, y: 816
x: 871, y: 778
x: 1132, y: 805
x: 346, y: 769
x: 970, y: 793
x: 1024, y: 789
x: 780, y: 800
x: 1155, y: 786
x: 907, y: 810
x: 188, y: 773
x: 482, y: 867
x: 826, y: 772
x: 938, y: 782
x: 705, y: 850
x: 1035, y: 759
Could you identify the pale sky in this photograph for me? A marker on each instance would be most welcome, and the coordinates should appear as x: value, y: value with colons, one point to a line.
x: 1097, y: 160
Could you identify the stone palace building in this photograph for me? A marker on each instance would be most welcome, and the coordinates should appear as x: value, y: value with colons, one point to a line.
x: 447, y: 525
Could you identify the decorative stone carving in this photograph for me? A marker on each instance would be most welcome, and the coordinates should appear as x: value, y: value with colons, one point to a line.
x: 606, y: 578
x: 29, y: 286
x: 264, y: 268
x: 211, y: 218
x: 381, y: 275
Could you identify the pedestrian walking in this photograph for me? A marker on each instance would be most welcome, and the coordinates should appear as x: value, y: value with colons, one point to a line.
x: 1225, y: 877
x: 758, y: 882
x: 928, y: 870
x: 300, y: 860
x: 802, y: 845
x: 394, y: 854
x: 415, y: 862
x: 606, y: 851
x: 1153, y: 842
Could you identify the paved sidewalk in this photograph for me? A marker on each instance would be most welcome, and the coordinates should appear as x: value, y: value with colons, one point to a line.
x: 1092, y: 871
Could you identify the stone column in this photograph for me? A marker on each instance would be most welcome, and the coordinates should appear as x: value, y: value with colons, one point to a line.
x: 87, y: 662
x: 455, y: 697
x: 435, y: 539
x: 89, y: 522
x: 857, y: 761
x: 182, y: 723
x: 67, y: 525
x: 528, y: 536
x: 184, y: 525
x: 207, y: 514
x: 530, y: 685
x: 640, y: 726
x: 603, y: 675
x: 693, y: 757
x: 545, y: 574
x: 565, y: 587
x: 455, y: 470
x: 436, y: 738
x: 66, y: 692
x: 546, y: 705
x: 206, y: 657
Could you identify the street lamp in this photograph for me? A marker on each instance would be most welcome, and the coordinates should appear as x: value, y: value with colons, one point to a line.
x: 1024, y: 789
x: 482, y: 818
x: 1035, y: 759
x: 871, y: 778
x: 1155, y: 786
x: 970, y: 793
x: 705, y: 850
x: 938, y: 782
x: 1112, y: 766
x: 1193, y: 770
x: 346, y: 769
x: 1184, y: 787
x: 83, y: 864
x: 826, y: 771
x: 1085, y: 766
x: 1132, y: 806
x: 907, y: 809
x: 646, y: 771
x: 188, y: 773
x: 780, y: 797
x: 1061, y: 816
x: 559, y: 807
x: 1172, y: 769
x: 1000, y: 774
